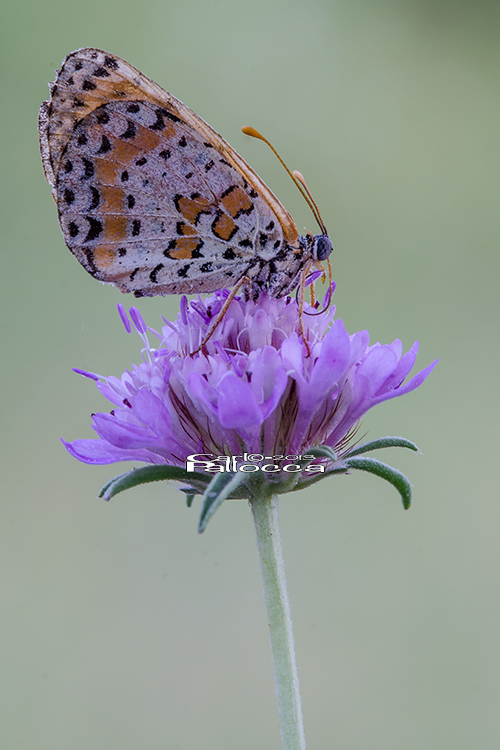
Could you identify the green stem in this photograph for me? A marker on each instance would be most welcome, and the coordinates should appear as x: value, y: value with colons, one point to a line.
x: 272, y: 567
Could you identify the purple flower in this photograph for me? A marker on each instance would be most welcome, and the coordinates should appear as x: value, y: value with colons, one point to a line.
x: 253, y: 388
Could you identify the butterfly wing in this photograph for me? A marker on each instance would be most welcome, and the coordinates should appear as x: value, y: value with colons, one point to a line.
x: 150, y: 197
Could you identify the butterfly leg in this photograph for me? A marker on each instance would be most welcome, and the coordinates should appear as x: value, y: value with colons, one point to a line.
x: 301, y: 299
x: 225, y: 308
x: 320, y: 267
x: 313, y: 296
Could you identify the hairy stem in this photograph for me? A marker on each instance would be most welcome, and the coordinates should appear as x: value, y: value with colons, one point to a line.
x: 266, y: 519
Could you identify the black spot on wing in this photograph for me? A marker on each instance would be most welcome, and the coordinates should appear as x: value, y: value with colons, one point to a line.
x: 154, y: 273
x: 92, y: 268
x: 88, y: 168
x: 100, y: 73
x: 131, y: 130
x: 196, y: 252
x: 95, y: 229
x: 105, y: 145
x: 110, y: 62
x: 94, y: 201
x: 160, y: 119
x: 102, y: 117
x: 171, y: 116
x: 171, y: 246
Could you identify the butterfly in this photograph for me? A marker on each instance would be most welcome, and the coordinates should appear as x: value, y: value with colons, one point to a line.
x: 152, y: 199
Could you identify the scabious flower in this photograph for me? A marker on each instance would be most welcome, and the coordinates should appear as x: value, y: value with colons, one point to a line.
x: 265, y: 385
x: 255, y: 387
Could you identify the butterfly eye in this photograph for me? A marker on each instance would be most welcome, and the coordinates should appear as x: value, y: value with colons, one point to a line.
x: 322, y: 247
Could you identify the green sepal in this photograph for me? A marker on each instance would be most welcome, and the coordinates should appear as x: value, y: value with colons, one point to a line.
x: 155, y: 473
x: 219, y: 489
x: 395, y: 477
x: 322, y: 451
x: 189, y: 500
x: 387, y: 442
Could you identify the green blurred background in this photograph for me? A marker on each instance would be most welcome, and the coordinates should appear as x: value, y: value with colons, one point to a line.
x: 121, y: 628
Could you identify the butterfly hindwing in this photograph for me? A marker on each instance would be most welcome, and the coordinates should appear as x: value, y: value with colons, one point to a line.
x: 150, y: 197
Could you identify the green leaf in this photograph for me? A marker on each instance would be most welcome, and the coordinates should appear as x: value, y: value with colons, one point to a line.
x: 145, y: 474
x: 387, y: 442
x: 395, y: 477
x: 219, y: 489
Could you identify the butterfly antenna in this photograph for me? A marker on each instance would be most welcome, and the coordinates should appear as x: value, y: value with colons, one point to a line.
x: 299, y: 177
x: 296, y: 177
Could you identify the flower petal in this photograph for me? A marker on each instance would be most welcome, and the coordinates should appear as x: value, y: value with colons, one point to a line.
x: 101, y: 452
x: 399, y: 374
x: 332, y: 362
x: 269, y: 378
x: 238, y: 408
x: 411, y: 385
x: 152, y: 412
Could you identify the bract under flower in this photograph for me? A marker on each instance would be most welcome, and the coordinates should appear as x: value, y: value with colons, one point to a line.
x: 253, y: 388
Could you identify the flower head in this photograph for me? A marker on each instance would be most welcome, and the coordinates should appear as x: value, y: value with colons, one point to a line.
x: 254, y: 387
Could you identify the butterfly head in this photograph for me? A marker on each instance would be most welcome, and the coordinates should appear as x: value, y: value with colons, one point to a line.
x: 321, y: 247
